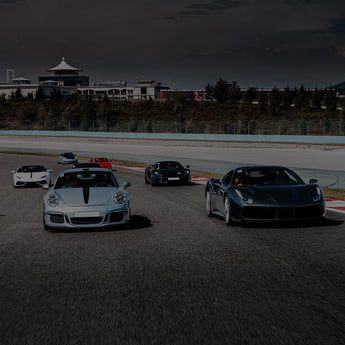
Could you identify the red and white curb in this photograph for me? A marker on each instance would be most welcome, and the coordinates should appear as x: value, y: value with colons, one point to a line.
x: 335, y: 205
x: 331, y: 204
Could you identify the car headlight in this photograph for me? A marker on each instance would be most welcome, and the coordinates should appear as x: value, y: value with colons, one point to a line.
x: 246, y: 199
x: 317, y: 197
x: 53, y: 199
x: 187, y: 172
x: 18, y: 177
x: 44, y: 176
x: 119, y: 197
x: 157, y: 173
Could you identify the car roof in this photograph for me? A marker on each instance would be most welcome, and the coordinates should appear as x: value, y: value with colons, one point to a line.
x: 85, y: 169
x: 32, y: 165
x: 261, y: 167
x: 159, y: 162
x: 87, y: 165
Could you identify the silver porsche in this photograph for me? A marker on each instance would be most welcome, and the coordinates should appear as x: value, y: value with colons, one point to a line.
x: 86, y: 198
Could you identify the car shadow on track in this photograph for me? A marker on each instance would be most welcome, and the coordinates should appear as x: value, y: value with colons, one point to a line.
x: 137, y: 222
x: 180, y: 185
x: 297, y: 224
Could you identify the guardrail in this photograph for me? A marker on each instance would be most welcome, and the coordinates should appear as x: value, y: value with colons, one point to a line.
x: 311, y: 139
x: 240, y: 126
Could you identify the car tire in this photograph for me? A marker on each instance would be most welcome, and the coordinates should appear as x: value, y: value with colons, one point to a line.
x: 208, y: 204
x: 146, y: 180
x: 227, y: 211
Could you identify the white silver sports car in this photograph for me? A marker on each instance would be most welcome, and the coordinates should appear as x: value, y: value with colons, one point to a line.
x: 86, y: 198
x: 67, y: 158
x: 30, y: 175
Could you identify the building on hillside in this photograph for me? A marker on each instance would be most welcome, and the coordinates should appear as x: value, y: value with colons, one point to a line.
x: 67, y: 80
x: 144, y: 89
x: 65, y: 74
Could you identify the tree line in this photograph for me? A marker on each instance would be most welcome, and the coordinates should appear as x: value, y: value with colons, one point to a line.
x: 227, y: 102
x: 275, y: 99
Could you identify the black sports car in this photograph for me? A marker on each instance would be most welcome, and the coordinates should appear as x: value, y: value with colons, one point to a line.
x: 263, y: 193
x: 167, y: 172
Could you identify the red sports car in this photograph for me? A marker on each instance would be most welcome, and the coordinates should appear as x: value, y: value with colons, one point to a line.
x: 104, y: 162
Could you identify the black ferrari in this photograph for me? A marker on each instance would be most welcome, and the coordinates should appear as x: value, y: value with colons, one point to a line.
x: 167, y: 172
x: 263, y: 193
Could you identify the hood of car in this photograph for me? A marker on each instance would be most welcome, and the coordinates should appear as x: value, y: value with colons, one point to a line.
x: 281, y: 195
x: 32, y: 175
x: 91, y: 196
x: 169, y: 172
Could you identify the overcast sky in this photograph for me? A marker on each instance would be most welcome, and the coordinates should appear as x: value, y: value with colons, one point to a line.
x: 182, y: 43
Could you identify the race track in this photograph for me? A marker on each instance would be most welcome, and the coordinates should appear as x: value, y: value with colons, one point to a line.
x: 174, y: 276
x: 322, y: 162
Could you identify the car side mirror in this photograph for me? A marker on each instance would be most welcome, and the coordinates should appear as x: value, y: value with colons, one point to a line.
x: 45, y: 187
x: 50, y: 170
x: 312, y: 180
x: 126, y: 184
x: 188, y: 166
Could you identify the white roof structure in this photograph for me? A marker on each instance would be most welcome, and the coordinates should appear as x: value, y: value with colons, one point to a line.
x: 63, y: 66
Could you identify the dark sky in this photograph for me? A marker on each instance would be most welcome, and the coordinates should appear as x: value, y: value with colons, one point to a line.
x: 182, y: 43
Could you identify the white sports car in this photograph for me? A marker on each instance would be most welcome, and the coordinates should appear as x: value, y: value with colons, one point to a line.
x: 86, y: 198
x: 30, y: 175
x: 67, y: 158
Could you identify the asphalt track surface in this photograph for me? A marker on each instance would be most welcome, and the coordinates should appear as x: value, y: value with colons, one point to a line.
x: 173, y: 276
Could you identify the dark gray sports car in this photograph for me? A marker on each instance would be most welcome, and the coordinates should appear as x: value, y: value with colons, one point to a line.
x: 263, y: 193
x: 167, y: 172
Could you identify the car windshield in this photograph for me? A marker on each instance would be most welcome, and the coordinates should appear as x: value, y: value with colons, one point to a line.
x: 69, y: 155
x: 32, y: 169
x: 266, y: 176
x: 81, y: 179
x: 101, y: 160
x: 168, y: 165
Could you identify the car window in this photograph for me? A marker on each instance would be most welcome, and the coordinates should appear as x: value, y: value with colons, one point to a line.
x: 227, y: 178
x: 68, y: 154
x: 168, y: 165
x: 266, y: 176
x: 32, y: 168
x: 80, y: 179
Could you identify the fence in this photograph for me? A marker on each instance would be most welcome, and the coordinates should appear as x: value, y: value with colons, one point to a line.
x: 256, y: 127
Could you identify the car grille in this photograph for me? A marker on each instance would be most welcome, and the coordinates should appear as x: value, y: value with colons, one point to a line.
x: 86, y: 220
x: 281, y: 213
x: 116, y: 217
x: 57, y: 218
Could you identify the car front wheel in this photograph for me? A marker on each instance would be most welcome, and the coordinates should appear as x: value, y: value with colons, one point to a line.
x: 227, y: 211
x: 208, y: 205
x: 146, y: 179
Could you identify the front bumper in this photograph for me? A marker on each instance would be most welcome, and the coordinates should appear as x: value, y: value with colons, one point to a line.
x: 22, y: 183
x: 183, y: 179
x: 81, y: 217
x: 69, y: 161
x: 284, y: 213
